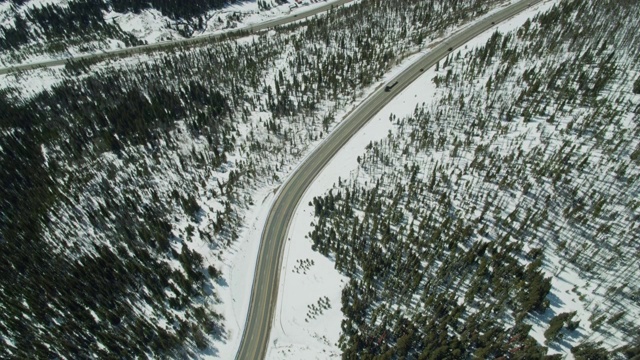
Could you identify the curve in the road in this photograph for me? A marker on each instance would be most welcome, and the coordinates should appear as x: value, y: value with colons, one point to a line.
x: 295, y: 16
x: 264, y: 292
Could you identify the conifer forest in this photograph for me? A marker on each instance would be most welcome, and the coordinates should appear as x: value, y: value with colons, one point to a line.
x: 124, y: 184
x: 456, y: 224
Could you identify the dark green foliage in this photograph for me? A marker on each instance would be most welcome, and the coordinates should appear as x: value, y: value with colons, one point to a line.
x: 190, y: 205
x: 616, y: 317
x: 590, y: 351
x: 396, y: 265
x: 533, y: 298
x: 26, y: 189
x: 56, y: 287
x: 458, y: 204
x: 636, y: 86
x: 56, y: 25
x: 192, y: 263
x: 573, y: 325
x: 213, y: 272
x: 171, y: 8
x: 83, y: 20
x: 412, y: 245
x: 632, y: 350
x: 103, y: 219
x: 556, y: 324
x: 80, y: 292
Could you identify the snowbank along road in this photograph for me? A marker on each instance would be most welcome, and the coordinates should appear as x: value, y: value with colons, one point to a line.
x: 267, y: 274
x: 295, y: 16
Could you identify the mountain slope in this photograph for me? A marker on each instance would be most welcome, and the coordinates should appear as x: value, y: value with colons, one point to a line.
x: 125, y: 183
x: 501, y: 217
x: 37, y: 30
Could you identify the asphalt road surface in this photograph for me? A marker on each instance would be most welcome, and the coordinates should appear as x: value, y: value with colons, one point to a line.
x: 296, y: 14
x: 264, y: 293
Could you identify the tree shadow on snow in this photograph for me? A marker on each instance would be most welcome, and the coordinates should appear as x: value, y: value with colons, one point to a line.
x: 554, y: 300
x: 222, y: 282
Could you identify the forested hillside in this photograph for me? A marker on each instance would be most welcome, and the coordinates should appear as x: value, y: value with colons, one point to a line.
x: 173, y: 9
x: 122, y: 183
x: 54, y: 28
x: 501, y: 219
x: 57, y: 28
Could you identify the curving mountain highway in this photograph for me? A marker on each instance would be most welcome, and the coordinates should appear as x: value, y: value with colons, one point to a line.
x: 295, y: 16
x: 264, y: 293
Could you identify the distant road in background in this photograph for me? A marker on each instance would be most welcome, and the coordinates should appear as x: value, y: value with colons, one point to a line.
x: 264, y: 294
x: 296, y: 14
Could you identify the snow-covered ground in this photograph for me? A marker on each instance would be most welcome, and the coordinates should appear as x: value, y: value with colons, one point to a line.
x: 151, y: 26
x: 568, y: 287
x: 308, y: 316
x: 299, y: 331
x: 237, y: 266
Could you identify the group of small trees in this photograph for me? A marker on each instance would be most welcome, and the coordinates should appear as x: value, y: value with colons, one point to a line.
x: 557, y: 323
